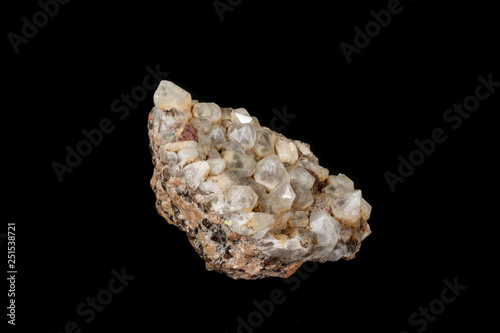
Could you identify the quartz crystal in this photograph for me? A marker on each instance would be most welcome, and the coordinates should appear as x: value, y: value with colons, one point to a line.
x: 252, y: 202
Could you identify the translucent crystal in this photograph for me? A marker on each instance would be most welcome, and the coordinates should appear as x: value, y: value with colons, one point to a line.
x: 187, y: 155
x: 347, y: 206
x: 261, y: 221
x: 244, y: 134
x: 234, y: 146
x: 204, y: 145
x: 339, y: 183
x: 241, y: 197
x: 299, y: 220
x: 303, y: 197
x: 226, y: 113
x: 168, y: 157
x: 270, y: 172
x: 286, y: 150
x: 218, y: 135
x: 176, y: 146
x: 236, y: 220
x: 238, y: 161
x: 168, y: 95
x: 195, y: 173
x: 202, y: 124
x: 216, y: 162
x: 258, y: 188
x: 218, y: 184
x: 240, y: 116
x: 285, y: 195
x: 327, y: 229
x: 300, y: 177
x: 319, y: 171
x: 264, y: 142
x: 366, y: 209
x: 209, y: 110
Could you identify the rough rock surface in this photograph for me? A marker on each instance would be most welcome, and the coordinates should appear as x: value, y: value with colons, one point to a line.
x: 252, y: 202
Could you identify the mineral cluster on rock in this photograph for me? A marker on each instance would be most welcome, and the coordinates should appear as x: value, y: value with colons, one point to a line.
x: 252, y: 202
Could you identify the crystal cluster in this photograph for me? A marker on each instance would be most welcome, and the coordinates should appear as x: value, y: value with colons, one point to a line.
x: 252, y: 202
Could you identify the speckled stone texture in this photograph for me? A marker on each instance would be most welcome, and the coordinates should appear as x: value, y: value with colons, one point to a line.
x: 252, y: 202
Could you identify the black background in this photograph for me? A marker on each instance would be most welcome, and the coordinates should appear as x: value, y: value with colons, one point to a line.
x: 359, y: 117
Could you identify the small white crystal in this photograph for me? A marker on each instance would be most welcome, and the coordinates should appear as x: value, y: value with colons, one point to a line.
x: 240, y: 162
x: 195, y: 173
x: 347, y: 206
x: 286, y: 150
x: 176, y: 146
x: 218, y: 135
x: 366, y: 209
x: 168, y: 157
x: 300, y: 177
x: 217, y: 163
x: 285, y: 195
x: 327, y: 229
x: 261, y: 221
x: 240, y: 116
x: 202, y: 124
x: 209, y: 110
x: 264, y: 142
x: 338, y: 184
x: 187, y: 155
x: 244, y: 134
x: 269, y: 172
x: 168, y: 95
x: 298, y: 220
x: 241, y: 197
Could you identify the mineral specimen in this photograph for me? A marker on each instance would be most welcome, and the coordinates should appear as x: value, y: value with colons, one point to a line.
x: 252, y: 202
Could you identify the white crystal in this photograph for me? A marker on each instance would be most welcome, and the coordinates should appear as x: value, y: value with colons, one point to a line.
x: 217, y: 163
x: 304, y: 148
x: 269, y: 172
x: 240, y: 116
x: 298, y: 220
x: 209, y: 110
x: 241, y: 197
x: 366, y: 209
x: 265, y: 140
x: 195, y: 173
x: 347, y: 206
x: 319, y: 171
x: 176, y: 146
x: 168, y: 157
x: 338, y: 184
x: 303, y: 197
x: 204, y: 145
x: 261, y: 221
x: 300, y: 177
x: 286, y: 150
x: 244, y: 134
x: 240, y: 162
x: 234, y: 146
x: 168, y: 95
x: 285, y: 195
x: 218, y: 135
x: 236, y: 220
x: 218, y: 184
x: 327, y: 230
x: 202, y: 124
x: 187, y: 155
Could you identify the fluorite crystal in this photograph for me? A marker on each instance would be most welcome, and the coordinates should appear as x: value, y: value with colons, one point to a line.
x: 252, y: 202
